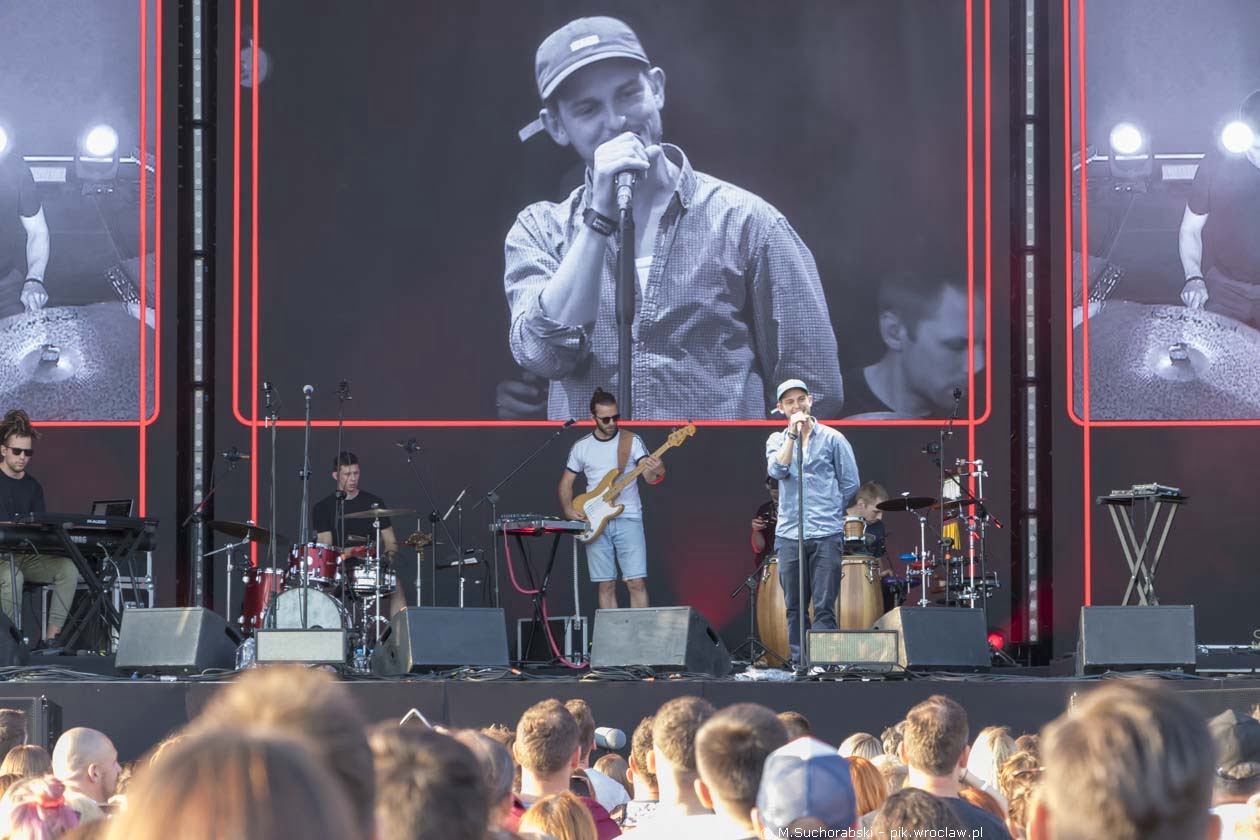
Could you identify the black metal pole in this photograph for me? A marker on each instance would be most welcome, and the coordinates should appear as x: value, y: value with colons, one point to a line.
x: 625, y: 315
x: 802, y: 607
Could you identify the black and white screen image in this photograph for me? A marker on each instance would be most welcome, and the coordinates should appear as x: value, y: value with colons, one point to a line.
x: 1172, y: 197
x: 799, y: 208
x: 71, y: 263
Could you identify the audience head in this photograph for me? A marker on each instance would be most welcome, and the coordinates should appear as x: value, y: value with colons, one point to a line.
x: 914, y: 813
x: 562, y: 816
x: 35, y: 809
x: 891, y: 738
x: 26, y: 761
x: 638, y: 772
x: 993, y: 746
x: 935, y: 738
x: 581, y: 711
x: 8, y: 780
x: 674, y: 729
x: 1019, y: 778
x: 982, y: 800
x: 796, y: 724
x: 497, y: 769
x: 615, y: 767
x: 87, y: 762
x: 12, y: 729
x: 868, y: 784
x: 237, y: 782
x: 893, y: 771
x: 1030, y: 743
x: 1131, y: 760
x: 548, y: 741
x: 1237, y: 740
x: 805, y: 779
x: 428, y: 784
x: 731, y: 748
x: 310, y: 705
x: 863, y: 744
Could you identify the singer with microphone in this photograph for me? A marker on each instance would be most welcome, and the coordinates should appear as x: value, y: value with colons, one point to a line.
x: 727, y: 297
x: 324, y: 517
x: 923, y: 326
x: 830, y: 475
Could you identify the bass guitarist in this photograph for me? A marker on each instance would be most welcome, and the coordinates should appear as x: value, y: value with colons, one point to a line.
x: 621, y: 545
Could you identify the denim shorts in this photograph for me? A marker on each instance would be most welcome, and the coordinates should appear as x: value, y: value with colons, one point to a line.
x: 621, y: 545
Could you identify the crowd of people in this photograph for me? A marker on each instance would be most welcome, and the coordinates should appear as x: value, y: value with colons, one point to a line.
x: 285, y: 752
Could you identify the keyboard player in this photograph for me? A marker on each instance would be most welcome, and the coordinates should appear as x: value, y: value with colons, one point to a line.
x: 21, y: 494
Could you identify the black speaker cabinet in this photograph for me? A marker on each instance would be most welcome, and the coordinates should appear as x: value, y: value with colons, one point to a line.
x: 174, y: 640
x: 938, y: 638
x: 1135, y: 638
x: 437, y: 638
x: 660, y: 638
x: 13, y: 649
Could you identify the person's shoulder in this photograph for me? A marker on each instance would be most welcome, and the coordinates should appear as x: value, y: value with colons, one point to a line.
x: 550, y: 213
x: 975, y: 816
x: 711, y: 189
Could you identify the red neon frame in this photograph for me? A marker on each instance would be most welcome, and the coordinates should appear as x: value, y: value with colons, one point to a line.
x: 142, y: 425
x: 253, y: 423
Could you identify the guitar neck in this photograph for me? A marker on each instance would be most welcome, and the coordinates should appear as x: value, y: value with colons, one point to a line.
x: 633, y: 475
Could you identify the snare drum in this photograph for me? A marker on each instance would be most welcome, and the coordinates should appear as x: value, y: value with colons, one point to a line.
x: 260, y: 585
x: 364, y: 580
x: 854, y: 533
x: 323, y: 565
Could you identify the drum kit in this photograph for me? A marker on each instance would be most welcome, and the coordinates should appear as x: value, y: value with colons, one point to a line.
x: 319, y: 586
x: 953, y: 575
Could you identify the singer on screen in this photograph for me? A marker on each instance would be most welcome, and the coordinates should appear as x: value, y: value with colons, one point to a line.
x: 727, y: 296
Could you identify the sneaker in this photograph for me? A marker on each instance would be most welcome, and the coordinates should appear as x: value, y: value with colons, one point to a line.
x: 48, y: 647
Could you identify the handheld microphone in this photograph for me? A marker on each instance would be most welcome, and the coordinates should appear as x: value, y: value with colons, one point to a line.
x: 408, y: 445
x: 625, y: 188
x: 233, y: 455
x: 607, y: 738
x: 343, y: 390
x: 568, y: 423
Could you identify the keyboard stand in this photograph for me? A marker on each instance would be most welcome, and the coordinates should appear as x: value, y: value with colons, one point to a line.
x: 1141, y: 578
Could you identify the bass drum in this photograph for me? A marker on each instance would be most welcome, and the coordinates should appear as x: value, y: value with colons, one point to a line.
x: 322, y: 610
x: 859, y: 604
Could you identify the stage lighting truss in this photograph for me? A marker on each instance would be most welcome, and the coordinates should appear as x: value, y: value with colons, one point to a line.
x: 96, y: 159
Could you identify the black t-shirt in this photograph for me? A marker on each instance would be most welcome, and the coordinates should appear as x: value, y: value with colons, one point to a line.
x: 978, y: 822
x: 20, y: 496
x: 874, y: 542
x: 1227, y: 189
x: 324, y: 515
x: 858, y: 396
x: 17, y: 198
x: 770, y: 513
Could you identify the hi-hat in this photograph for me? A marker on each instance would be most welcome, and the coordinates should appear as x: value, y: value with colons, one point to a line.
x: 379, y: 513
x: 906, y: 503
x: 246, y: 531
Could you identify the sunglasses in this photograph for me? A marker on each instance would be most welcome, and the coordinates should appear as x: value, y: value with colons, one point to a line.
x: 612, y: 418
x: 17, y: 450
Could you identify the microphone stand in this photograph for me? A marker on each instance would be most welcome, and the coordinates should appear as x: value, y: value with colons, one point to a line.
x: 625, y: 310
x: 410, y: 448
x: 343, y: 394
x: 492, y: 496
x: 802, y: 612
x: 271, y: 420
x: 196, y: 515
x: 304, y: 522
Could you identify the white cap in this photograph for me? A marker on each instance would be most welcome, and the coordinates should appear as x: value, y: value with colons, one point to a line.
x: 788, y: 385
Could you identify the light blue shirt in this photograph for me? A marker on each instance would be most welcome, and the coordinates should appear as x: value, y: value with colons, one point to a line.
x: 831, y: 481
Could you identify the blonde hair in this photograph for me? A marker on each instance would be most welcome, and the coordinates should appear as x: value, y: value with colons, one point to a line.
x: 236, y: 783
x: 562, y: 816
x: 26, y: 761
x: 862, y: 744
x: 993, y: 746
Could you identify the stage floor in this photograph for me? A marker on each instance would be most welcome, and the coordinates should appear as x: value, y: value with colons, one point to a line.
x: 137, y: 713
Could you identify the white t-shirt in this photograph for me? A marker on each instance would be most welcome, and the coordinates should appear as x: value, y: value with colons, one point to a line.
x: 595, y: 458
x: 642, y: 268
x: 608, y: 791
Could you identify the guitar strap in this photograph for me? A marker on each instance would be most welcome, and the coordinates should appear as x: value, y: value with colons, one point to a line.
x: 624, y: 441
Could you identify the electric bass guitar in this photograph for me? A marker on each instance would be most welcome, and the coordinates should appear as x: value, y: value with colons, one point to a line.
x: 599, y: 506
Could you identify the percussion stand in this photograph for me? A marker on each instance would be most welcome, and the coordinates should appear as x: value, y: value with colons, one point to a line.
x: 232, y: 566
x: 757, y: 649
x: 271, y: 420
x: 380, y: 565
x: 924, y: 571
x: 304, y: 521
x: 410, y: 447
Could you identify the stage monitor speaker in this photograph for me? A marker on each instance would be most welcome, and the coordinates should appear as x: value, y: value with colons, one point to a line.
x: 175, y: 640
x: 314, y: 646
x: 1135, y: 639
x: 938, y: 638
x: 438, y: 638
x: 13, y: 649
x: 855, y: 650
x: 675, y: 639
x: 43, y: 719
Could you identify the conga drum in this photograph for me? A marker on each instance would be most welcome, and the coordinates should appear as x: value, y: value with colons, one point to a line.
x: 772, y: 610
x: 861, y: 600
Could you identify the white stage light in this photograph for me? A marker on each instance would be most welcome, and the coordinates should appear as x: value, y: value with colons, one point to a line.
x: 4, y: 140
x: 101, y: 141
x: 1126, y: 139
x: 1237, y: 137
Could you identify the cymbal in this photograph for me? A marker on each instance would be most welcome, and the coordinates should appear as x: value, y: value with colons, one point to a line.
x: 906, y: 503
x: 246, y: 531
x: 379, y: 513
x: 958, y: 504
x: 1158, y: 362
x: 418, y: 540
x: 74, y: 363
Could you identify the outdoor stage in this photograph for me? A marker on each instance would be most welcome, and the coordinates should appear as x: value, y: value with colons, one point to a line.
x: 136, y: 713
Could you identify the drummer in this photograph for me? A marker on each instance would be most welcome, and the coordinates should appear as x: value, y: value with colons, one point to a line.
x: 865, y: 502
x: 355, y: 532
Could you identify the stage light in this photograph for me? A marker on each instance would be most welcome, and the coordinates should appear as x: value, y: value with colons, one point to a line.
x: 1131, y: 163
x: 4, y: 141
x: 996, y: 641
x: 1237, y: 137
x: 101, y: 142
x: 96, y: 160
